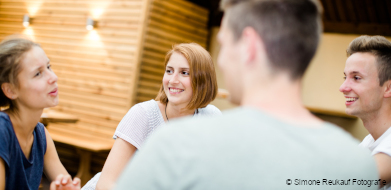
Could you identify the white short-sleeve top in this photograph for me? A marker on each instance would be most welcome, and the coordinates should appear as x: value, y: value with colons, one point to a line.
x: 143, y: 118
x: 381, y: 145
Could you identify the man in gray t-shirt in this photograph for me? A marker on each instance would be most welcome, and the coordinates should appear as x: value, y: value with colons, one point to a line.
x: 271, y: 141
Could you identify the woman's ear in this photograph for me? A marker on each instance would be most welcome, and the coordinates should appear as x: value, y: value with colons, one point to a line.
x: 9, y: 90
x: 387, y: 89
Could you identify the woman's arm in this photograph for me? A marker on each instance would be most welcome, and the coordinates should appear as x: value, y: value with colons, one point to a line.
x: 118, y: 157
x: 52, y: 166
x: 2, y: 174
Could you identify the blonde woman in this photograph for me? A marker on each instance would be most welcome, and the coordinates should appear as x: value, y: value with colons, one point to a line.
x: 28, y: 85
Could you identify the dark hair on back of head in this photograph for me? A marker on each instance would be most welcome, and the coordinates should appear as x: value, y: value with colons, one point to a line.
x: 289, y: 29
x: 12, y: 51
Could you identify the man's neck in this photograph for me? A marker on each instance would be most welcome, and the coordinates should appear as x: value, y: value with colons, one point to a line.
x: 377, y: 122
x: 282, y: 99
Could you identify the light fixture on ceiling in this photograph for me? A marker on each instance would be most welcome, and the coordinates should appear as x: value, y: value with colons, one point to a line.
x: 90, y: 23
x: 26, y: 20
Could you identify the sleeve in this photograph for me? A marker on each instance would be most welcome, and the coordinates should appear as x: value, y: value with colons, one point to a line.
x: 152, y: 167
x: 91, y: 185
x: 211, y: 110
x: 384, y: 146
x: 133, y: 128
x: 5, y: 140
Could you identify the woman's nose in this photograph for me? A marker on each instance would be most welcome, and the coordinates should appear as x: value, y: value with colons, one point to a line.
x: 52, y: 77
x: 174, y: 79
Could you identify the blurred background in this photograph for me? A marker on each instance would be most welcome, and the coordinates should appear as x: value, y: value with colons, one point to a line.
x: 109, y: 55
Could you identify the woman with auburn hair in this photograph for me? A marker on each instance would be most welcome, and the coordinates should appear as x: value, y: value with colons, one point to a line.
x: 189, y: 85
x: 28, y: 85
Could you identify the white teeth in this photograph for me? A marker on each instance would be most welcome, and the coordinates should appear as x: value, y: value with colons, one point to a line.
x: 351, y: 99
x: 175, y: 90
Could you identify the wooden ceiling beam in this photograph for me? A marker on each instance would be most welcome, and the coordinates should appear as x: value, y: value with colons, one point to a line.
x: 330, y: 12
x: 362, y: 28
x: 388, y: 5
x: 341, y: 10
x: 361, y: 10
x: 351, y: 12
x: 371, y: 11
x: 382, y: 11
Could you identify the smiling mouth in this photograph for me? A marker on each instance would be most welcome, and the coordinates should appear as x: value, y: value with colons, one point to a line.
x: 175, y: 90
x: 351, y: 99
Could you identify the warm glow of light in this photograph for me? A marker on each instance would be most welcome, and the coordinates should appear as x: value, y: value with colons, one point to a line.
x: 29, y: 32
x: 98, y: 8
x: 93, y: 36
x: 89, y: 27
x: 33, y: 7
x: 96, y: 13
x: 92, y: 41
x: 26, y: 24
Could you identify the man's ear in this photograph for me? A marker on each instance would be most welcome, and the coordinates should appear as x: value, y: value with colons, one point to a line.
x: 9, y: 90
x: 253, y: 44
x: 387, y: 89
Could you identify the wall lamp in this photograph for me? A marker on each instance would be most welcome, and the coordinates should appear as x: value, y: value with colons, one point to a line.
x: 26, y: 20
x: 90, y: 23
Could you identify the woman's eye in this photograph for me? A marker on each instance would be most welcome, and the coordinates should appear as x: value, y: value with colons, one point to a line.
x: 168, y: 71
x: 49, y: 67
x: 37, y: 74
x: 185, y: 73
x: 356, y: 78
x: 344, y: 78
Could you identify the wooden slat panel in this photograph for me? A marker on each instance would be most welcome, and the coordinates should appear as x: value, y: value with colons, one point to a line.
x: 74, y: 9
x: 112, y: 5
x: 340, y: 5
x: 371, y: 11
x: 102, y: 31
x: 81, y: 75
x: 175, y: 30
x: 170, y: 22
x: 92, y: 87
x: 185, y: 21
x: 93, y: 69
x: 362, y: 11
x: 382, y: 11
x: 177, y: 6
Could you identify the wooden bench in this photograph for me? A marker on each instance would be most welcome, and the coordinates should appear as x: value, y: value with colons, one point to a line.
x: 86, y: 142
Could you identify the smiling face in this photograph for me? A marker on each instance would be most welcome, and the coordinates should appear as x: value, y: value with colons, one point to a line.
x: 176, y: 80
x: 37, y: 82
x: 361, y: 87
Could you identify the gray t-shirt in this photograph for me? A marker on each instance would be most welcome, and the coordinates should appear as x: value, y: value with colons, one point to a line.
x: 248, y: 149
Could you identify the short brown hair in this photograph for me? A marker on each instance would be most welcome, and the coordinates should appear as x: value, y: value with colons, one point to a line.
x: 380, y: 47
x: 202, y: 73
x: 12, y: 51
x: 290, y: 29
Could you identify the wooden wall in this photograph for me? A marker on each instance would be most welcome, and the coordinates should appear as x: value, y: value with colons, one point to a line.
x: 169, y: 22
x: 96, y: 69
x: 103, y: 72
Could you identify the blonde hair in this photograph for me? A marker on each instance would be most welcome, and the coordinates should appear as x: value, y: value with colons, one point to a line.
x: 202, y: 74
